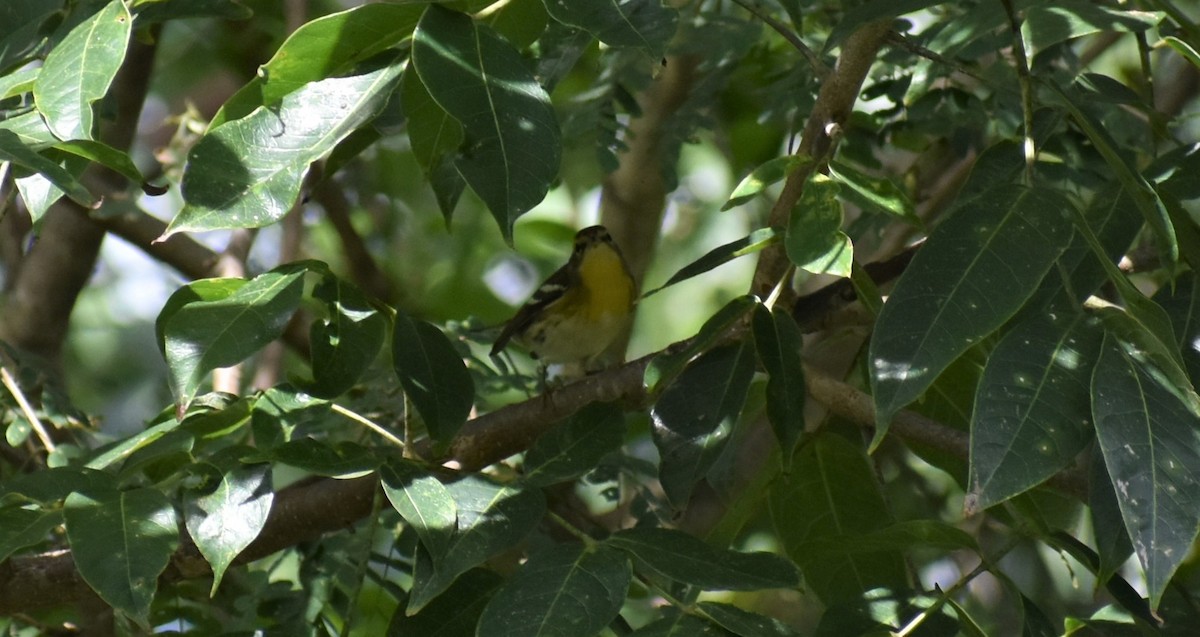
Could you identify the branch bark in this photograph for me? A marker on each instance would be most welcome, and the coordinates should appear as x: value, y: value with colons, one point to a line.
x: 38, y: 309
x: 834, y: 104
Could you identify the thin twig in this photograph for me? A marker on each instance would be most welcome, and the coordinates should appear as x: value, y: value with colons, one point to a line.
x: 814, y: 60
x: 13, y: 388
x: 364, y: 421
x: 1026, y: 89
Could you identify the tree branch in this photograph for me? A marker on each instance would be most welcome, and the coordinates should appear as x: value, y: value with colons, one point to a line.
x: 834, y: 104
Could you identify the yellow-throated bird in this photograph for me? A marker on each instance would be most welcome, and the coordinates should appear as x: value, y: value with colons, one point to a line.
x: 581, y: 309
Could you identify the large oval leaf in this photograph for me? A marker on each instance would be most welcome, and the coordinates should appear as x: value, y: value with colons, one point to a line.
x: 830, y: 498
x: 319, y: 49
x: 512, y: 150
x: 696, y: 414
x: 433, y: 375
x: 247, y: 173
x: 79, y: 70
x: 1151, y: 445
x: 203, y: 335
x: 1032, y: 408
x: 973, y: 274
x: 226, y: 519
x: 491, y: 518
x: 121, y: 542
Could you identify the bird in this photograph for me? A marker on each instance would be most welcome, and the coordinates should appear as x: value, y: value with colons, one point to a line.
x: 580, y: 310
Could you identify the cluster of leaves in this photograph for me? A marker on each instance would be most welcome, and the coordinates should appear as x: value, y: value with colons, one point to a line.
x: 1000, y: 329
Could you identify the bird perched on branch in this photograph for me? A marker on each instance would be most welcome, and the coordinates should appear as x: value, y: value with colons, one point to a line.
x: 580, y: 310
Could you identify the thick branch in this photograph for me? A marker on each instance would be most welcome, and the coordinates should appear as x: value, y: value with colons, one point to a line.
x: 38, y: 309
x: 834, y: 104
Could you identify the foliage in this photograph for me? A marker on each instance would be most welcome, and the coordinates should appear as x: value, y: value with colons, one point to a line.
x: 961, y: 381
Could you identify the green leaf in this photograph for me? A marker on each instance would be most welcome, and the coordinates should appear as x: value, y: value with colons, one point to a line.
x: 770, y: 172
x: 695, y: 416
x: 280, y: 410
x: 20, y: 528
x: 779, y: 341
x: 575, y: 447
x: 17, y: 82
x: 121, y: 542
x: 247, y: 173
x: 346, y: 341
x: 512, y: 146
x: 1032, y: 407
x: 1113, y: 546
x: 1180, y: 302
x: 1143, y: 194
x: 106, y: 156
x: 14, y: 150
x: 1113, y: 220
x: 20, y: 26
x: 1048, y: 24
x: 319, y: 49
x: 454, y: 614
x: 491, y: 519
x: 870, y: 193
x: 750, y: 244
x: 423, y: 502
x: 645, y: 24
x: 1159, y: 356
x: 666, y: 366
x: 201, y: 335
x: 199, y: 290
x: 685, y: 558
x: 52, y: 485
x: 568, y: 590
x: 31, y: 129
x: 433, y: 375
x: 973, y: 274
x: 830, y: 499
x: 814, y: 240
x: 79, y: 70
x: 435, y: 137
x: 743, y: 622
x: 342, y: 459
x: 1151, y: 445
x: 224, y: 520
x: 1182, y: 48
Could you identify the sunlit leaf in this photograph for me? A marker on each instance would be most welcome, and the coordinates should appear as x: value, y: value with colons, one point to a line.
x: 202, y: 335
x: 121, y: 541
x: 491, y: 519
x: 79, y: 70
x: 226, y: 519
x: 247, y: 173
x: 512, y: 148
x: 814, y: 240
x: 973, y: 274
x: 320, y: 49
